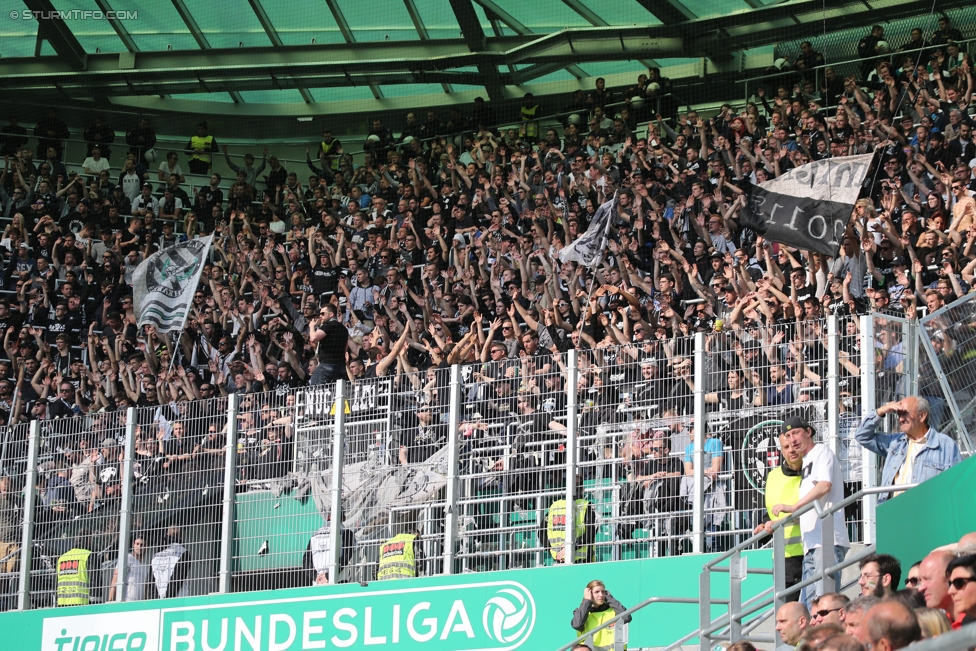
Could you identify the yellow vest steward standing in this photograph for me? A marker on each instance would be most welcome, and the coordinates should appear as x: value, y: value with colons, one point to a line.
x: 602, y: 639
x: 781, y: 489
x: 201, y: 142
x: 397, y: 558
x: 333, y: 157
x: 529, y: 114
x: 556, y: 529
x: 73, y: 584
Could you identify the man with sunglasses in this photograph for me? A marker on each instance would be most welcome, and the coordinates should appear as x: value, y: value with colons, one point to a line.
x: 331, y: 338
x: 831, y: 609
x: 917, y: 453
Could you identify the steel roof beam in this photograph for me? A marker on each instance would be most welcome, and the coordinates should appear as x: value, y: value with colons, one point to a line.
x: 275, y: 39
x: 56, y: 32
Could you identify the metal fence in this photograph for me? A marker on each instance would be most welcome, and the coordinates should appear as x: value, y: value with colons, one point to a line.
x: 656, y: 448
x: 948, y: 368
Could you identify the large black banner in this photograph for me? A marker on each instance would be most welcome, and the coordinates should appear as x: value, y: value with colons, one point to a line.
x: 809, y: 206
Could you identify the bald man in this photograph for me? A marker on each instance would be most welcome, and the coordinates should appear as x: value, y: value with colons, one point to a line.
x: 888, y: 626
x: 917, y: 453
x: 933, y: 584
x: 792, y: 619
x: 967, y: 544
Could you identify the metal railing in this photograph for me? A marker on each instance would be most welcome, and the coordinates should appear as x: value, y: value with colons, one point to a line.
x: 710, y: 630
x: 245, y: 482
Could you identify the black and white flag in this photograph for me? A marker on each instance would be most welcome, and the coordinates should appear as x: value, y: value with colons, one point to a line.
x: 588, y: 248
x: 809, y: 206
x: 163, y: 285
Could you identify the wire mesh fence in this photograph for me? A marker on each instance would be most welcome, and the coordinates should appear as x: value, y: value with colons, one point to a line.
x: 948, y: 368
x: 469, y: 467
x: 13, y: 479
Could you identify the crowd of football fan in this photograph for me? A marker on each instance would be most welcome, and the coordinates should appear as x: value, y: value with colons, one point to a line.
x: 440, y: 246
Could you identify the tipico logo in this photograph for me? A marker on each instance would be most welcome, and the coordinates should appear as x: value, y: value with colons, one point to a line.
x: 129, y: 631
x: 509, y: 615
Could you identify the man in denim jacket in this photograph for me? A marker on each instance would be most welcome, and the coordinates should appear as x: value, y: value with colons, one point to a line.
x: 916, y: 454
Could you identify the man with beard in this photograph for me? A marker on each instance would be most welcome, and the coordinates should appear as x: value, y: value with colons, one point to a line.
x: 880, y: 575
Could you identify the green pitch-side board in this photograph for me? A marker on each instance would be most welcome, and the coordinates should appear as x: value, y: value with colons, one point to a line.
x: 938, y: 512
x: 492, y: 611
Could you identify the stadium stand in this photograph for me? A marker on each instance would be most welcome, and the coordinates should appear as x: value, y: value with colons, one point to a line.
x: 393, y: 314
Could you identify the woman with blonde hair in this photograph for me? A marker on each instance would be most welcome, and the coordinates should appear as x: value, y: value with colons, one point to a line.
x: 932, y: 621
x: 598, y: 607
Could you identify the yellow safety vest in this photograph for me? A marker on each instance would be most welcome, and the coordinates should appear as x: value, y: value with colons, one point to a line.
x: 198, y: 142
x: 73, y: 586
x: 602, y: 639
x: 397, y: 559
x: 781, y: 489
x: 556, y: 528
x: 528, y: 115
x: 327, y: 150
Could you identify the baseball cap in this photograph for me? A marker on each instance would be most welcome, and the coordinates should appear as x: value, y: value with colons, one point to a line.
x: 109, y: 443
x: 794, y: 422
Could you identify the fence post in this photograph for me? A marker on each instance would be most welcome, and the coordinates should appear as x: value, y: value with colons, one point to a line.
x: 30, y: 499
x: 572, y: 406
x: 230, y: 483
x: 125, y: 511
x: 698, y: 506
x: 450, y: 508
x: 909, y: 339
x: 833, y: 386
x: 736, y: 576
x: 779, y: 576
x: 869, y: 460
x: 704, y: 608
x: 335, y: 512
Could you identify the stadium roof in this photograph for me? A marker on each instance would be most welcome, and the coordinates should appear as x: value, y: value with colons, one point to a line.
x: 297, y: 53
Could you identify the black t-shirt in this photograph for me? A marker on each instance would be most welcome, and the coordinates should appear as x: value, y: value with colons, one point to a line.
x: 325, y: 279
x: 332, y: 349
x: 422, y: 441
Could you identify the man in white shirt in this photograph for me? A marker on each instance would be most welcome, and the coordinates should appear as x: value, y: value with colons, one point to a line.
x: 821, y: 480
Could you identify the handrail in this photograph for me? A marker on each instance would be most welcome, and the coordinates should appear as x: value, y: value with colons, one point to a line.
x: 964, y: 638
x: 632, y: 610
x: 770, y: 596
x: 821, y: 514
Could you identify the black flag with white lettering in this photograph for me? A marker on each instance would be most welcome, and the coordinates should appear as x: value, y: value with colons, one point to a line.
x: 809, y: 206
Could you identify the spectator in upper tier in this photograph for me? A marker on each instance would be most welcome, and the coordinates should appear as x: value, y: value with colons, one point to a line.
x: 200, y: 149
x: 916, y: 454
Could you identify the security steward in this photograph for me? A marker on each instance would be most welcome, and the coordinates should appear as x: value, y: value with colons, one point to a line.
x: 200, y: 149
x: 76, y: 572
x: 400, y: 556
x: 584, y: 531
x: 598, y: 606
x: 783, y: 487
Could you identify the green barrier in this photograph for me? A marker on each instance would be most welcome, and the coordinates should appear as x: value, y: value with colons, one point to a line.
x: 284, y: 523
x: 936, y: 513
x: 493, y: 611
